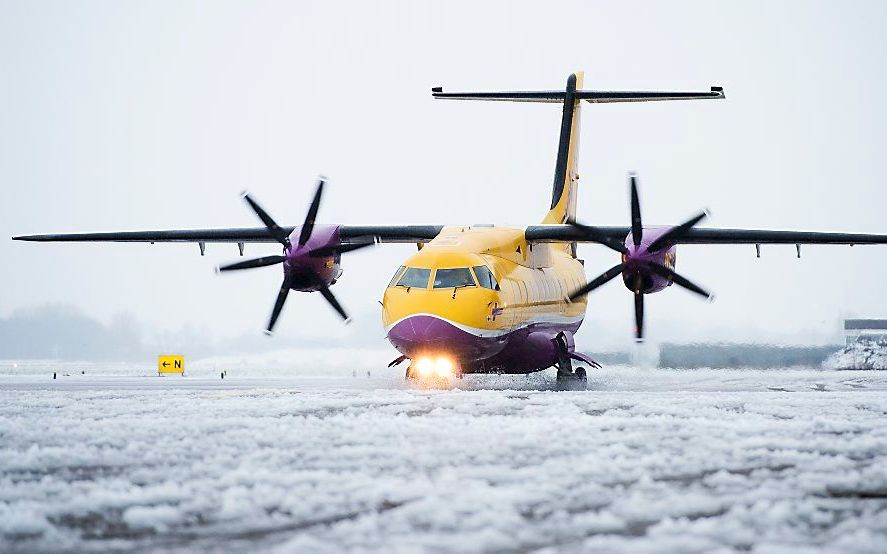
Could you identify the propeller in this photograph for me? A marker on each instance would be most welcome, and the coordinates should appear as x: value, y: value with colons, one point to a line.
x: 308, y: 225
x: 249, y: 264
x: 641, y: 263
x: 276, y: 231
x: 324, y: 251
x: 301, y: 271
x: 593, y: 234
x: 675, y: 233
x: 278, y: 304
x: 638, y: 311
x: 680, y: 280
x: 637, y: 229
x: 601, y: 279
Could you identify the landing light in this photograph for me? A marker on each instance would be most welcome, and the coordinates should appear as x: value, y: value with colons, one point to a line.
x: 440, y: 366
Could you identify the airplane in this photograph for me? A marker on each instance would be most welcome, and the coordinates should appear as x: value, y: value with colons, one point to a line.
x: 482, y: 298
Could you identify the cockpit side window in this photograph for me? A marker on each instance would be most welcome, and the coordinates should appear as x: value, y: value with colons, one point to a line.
x: 415, y: 277
x: 485, y: 277
x: 396, y: 275
x: 450, y: 278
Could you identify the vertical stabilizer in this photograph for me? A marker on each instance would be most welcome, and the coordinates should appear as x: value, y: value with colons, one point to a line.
x: 566, y: 171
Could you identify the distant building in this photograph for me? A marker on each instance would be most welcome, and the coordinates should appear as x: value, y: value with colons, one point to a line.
x: 864, y: 330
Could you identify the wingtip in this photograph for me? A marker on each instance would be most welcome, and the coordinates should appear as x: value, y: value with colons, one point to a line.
x: 347, y: 321
x: 269, y: 333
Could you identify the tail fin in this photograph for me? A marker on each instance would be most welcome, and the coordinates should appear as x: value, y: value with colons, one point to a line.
x: 566, y: 175
x: 566, y: 171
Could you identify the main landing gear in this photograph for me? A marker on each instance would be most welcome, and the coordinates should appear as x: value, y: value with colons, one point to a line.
x: 567, y: 377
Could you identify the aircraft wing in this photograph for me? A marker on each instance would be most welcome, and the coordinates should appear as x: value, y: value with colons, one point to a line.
x: 568, y: 233
x: 424, y: 233
x: 379, y: 233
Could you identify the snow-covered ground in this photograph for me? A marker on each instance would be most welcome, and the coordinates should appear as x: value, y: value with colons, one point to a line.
x: 861, y: 354
x: 646, y: 460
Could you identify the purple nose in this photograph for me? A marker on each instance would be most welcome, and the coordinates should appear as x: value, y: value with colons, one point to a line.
x: 422, y: 330
x: 424, y: 333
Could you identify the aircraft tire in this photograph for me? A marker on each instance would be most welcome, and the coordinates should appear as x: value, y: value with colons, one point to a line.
x: 580, y: 373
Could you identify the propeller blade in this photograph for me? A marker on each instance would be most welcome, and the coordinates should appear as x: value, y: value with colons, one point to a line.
x: 325, y: 251
x: 278, y: 305
x: 596, y: 235
x: 328, y: 295
x: 637, y: 229
x: 663, y: 271
x: 308, y: 226
x: 249, y: 264
x: 676, y: 233
x: 276, y: 231
x: 639, y: 316
x: 603, y: 278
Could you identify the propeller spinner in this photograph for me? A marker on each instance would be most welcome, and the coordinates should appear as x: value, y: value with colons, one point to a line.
x: 647, y: 258
x: 310, y: 264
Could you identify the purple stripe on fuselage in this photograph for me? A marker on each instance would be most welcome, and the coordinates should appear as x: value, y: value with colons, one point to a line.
x: 522, y: 350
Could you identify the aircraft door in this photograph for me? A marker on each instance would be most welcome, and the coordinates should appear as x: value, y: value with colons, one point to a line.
x: 514, y: 301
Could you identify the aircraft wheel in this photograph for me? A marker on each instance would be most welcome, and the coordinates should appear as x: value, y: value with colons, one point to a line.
x: 573, y: 381
x: 410, y: 374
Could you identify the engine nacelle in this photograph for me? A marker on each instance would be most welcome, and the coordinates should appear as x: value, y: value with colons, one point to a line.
x: 636, y: 274
x: 314, y: 264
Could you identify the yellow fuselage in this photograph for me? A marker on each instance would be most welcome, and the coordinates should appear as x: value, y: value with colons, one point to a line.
x: 476, y: 322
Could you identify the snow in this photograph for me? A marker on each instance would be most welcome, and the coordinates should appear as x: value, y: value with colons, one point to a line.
x: 646, y: 460
x: 861, y: 354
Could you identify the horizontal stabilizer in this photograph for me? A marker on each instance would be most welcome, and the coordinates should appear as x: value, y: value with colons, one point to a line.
x: 593, y: 96
x: 550, y: 96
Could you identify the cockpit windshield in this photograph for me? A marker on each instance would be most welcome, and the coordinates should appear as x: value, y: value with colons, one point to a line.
x: 396, y: 275
x: 451, y: 278
x: 415, y: 277
x: 485, y: 277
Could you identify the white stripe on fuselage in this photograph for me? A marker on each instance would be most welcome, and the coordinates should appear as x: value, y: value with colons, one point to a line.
x: 491, y: 333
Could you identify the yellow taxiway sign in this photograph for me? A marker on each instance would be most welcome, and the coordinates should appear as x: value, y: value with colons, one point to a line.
x: 170, y: 364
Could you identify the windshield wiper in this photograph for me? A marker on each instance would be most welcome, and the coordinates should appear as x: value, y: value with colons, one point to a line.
x: 457, y: 287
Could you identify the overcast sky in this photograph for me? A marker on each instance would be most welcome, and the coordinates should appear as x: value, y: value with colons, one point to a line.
x: 154, y: 115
